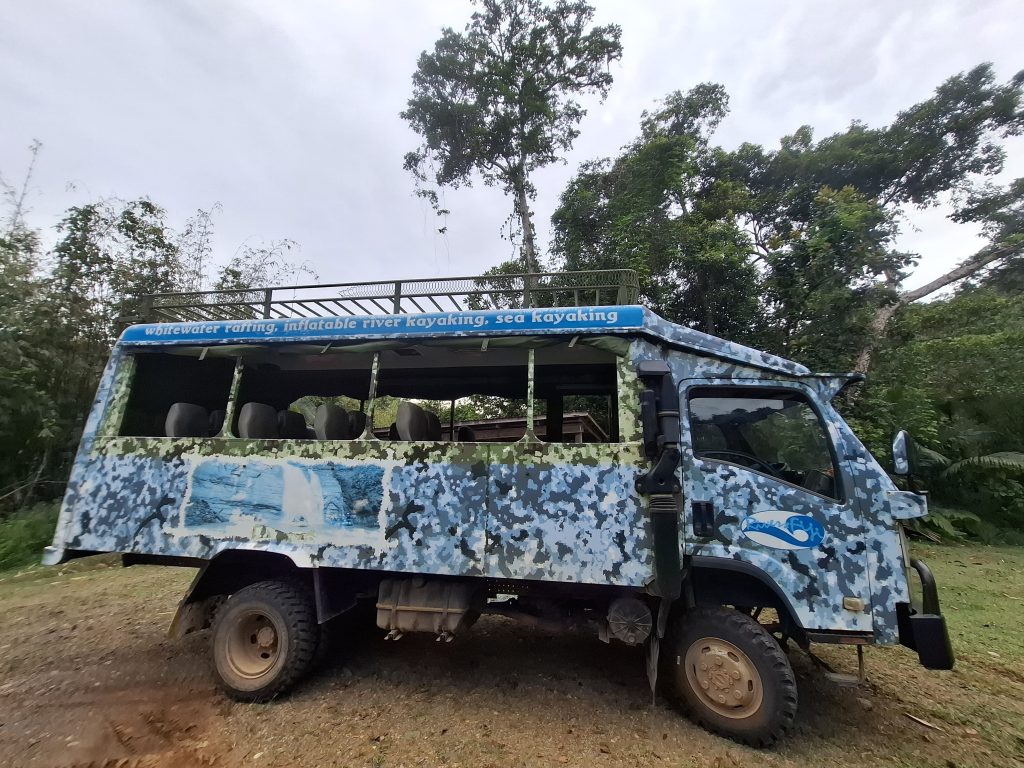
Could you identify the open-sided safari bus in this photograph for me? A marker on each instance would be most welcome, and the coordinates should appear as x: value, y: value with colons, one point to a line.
x: 721, y: 489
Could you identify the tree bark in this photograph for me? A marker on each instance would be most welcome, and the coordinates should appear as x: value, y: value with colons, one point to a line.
x: 526, y: 220
x: 876, y: 330
x: 709, y: 307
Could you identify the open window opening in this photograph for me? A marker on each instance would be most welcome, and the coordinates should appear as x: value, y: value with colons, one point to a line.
x: 576, y: 402
x: 303, y: 392
x: 461, y: 391
x: 773, y: 431
x: 475, y: 391
x: 178, y: 394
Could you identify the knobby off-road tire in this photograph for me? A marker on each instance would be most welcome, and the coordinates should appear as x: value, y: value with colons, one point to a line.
x: 265, y: 637
x: 729, y: 675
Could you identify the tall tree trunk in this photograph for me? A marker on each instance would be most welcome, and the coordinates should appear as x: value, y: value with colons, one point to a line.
x: 883, y: 315
x: 709, y: 306
x: 526, y: 220
x: 529, y: 240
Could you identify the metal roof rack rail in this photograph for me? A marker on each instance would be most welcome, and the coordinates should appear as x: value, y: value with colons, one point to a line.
x: 439, y: 294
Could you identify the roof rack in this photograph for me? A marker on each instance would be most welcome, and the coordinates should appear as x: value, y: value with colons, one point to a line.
x: 441, y: 294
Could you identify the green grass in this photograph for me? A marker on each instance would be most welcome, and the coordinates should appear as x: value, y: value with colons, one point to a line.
x: 982, y: 594
x: 24, y: 534
x: 979, y: 703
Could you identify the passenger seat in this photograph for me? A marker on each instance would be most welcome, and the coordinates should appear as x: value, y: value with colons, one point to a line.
x: 291, y: 425
x: 411, y: 422
x: 257, y: 421
x: 332, y: 423
x: 217, y: 422
x: 433, y: 431
x: 356, y: 424
x: 187, y: 420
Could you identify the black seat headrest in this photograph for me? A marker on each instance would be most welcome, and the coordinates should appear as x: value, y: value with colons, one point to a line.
x: 465, y: 435
x: 356, y: 424
x: 433, y: 426
x: 257, y: 421
x: 291, y: 425
x: 216, y: 422
x: 187, y: 420
x: 331, y: 422
x: 411, y: 421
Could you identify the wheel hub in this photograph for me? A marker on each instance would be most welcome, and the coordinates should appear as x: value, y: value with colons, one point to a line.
x: 266, y: 637
x: 253, y: 647
x: 723, y: 677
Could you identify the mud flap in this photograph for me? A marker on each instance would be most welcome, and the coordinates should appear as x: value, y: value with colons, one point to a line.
x: 654, y: 645
x: 668, y: 570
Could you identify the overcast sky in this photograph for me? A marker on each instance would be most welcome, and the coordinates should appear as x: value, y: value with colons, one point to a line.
x: 286, y: 113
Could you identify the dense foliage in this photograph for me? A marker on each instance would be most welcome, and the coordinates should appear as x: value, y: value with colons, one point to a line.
x: 952, y: 373
x: 64, y: 305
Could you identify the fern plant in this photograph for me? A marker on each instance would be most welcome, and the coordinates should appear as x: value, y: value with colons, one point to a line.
x: 995, y: 485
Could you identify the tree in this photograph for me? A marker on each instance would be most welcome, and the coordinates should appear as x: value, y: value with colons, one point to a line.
x: 792, y: 249
x: 943, y: 148
x: 661, y: 210
x: 63, y: 309
x: 499, y: 99
x: 27, y: 420
x: 258, y: 266
x: 950, y: 372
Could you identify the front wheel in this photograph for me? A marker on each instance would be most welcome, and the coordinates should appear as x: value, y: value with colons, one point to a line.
x: 730, y: 676
x: 264, y: 639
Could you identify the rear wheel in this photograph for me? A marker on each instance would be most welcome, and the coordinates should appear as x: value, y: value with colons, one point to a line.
x: 264, y: 639
x: 729, y: 675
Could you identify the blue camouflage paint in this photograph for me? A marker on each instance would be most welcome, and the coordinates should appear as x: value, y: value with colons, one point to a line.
x: 862, y: 553
x: 528, y: 510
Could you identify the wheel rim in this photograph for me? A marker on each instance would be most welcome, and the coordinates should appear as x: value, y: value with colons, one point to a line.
x: 254, y: 645
x: 724, y: 678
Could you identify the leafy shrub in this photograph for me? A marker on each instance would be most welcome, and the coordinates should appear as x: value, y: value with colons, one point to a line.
x: 24, y: 534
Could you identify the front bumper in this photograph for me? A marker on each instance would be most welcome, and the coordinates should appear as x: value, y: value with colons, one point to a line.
x: 925, y: 630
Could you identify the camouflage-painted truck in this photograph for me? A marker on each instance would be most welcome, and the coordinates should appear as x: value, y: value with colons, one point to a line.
x: 716, y: 505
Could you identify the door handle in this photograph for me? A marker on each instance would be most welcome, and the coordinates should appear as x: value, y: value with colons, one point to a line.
x: 703, y: 519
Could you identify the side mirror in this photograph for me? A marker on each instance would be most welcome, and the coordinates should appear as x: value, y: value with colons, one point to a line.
x: 904, y: 454
x: 659, y: 406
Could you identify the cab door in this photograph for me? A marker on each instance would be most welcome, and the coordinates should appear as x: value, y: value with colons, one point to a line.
x: 764, y: 486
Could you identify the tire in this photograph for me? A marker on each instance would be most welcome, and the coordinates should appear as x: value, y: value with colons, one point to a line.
x: 265, y: 637
x: 729, y: 675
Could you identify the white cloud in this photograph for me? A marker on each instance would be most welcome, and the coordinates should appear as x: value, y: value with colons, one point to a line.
x: 287, y: 113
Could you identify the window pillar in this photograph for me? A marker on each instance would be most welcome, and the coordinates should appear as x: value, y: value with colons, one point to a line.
x: 371, y: 396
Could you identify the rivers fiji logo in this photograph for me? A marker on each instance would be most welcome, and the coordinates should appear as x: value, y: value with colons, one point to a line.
x: 783, y: 530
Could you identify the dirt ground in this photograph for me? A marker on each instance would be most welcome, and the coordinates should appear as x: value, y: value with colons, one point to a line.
x: 89, y: 678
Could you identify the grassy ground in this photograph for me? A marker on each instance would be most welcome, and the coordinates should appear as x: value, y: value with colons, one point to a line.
x: 87, y: 676
x: 980, y: 703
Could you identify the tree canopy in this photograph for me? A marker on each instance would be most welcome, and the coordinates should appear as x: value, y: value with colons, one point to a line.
x: 792, y: 249
x: 499, y: 99
x: 65, y: 305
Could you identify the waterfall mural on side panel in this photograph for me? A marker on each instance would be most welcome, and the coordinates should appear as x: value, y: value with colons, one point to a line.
x: 310, y: 496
